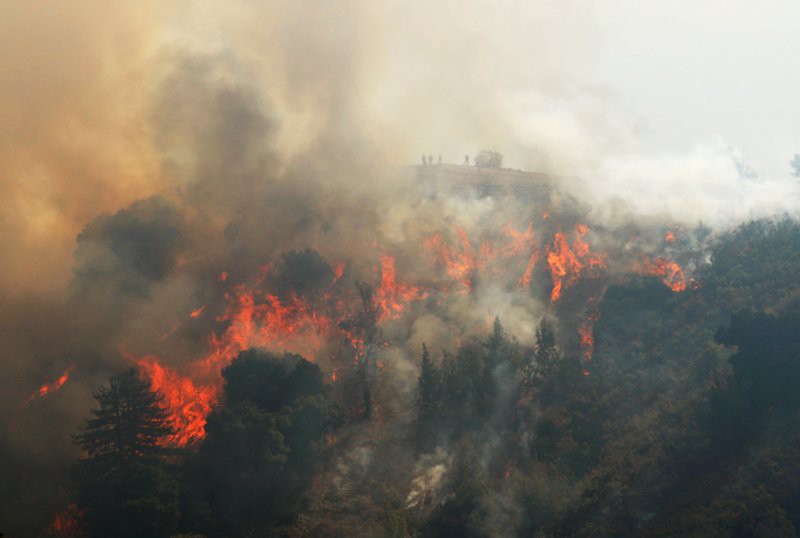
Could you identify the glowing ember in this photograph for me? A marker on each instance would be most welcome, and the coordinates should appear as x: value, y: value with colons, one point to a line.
x: 67, y: 523
x: 223, y: 276
x: 669, y: 237
x: 338, y: 271
x: 48, y: 388
x: 587, y: 340
x: 197, y: 312
x: 509, y: 468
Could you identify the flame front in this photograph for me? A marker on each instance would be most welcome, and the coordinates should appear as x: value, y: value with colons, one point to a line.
x: 288, y: 322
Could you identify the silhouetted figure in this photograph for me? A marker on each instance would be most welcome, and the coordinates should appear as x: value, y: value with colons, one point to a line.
x: 424, y: 160
x: 440, y: 159
x: 466, y: 160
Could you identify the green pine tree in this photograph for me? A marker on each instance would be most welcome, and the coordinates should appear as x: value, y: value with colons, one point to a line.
x: 547, y: 355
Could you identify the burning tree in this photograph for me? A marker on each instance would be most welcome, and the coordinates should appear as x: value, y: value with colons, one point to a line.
x: 364, y: 335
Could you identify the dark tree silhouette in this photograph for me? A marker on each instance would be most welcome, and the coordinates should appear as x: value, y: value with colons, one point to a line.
x: 129, y: 425
x: 363, y: 327
x: 122, y: 485
x: 428, y: 398
x: 547, y: 355
x: 264, y: 445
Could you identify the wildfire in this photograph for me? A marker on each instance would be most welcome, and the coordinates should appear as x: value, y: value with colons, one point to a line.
x: 47, y: 388
x: 67, y: 523
x: 338, y: 271
x: 669, y: 237
x: 460, y: 266
x: 670, y: 273
x: 527, y: 276
x: 567, y: 263
x: 392, y: 296
x: 521, y: 242
x: 586, y: 333
x: 256, y: 319
x: 463, y: 263
x: 188, y: 403
x: 287, y: 322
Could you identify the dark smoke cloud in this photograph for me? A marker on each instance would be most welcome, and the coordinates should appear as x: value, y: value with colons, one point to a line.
x: 126, y: 251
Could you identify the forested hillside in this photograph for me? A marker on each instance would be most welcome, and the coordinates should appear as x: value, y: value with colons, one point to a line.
x: 684, y: 422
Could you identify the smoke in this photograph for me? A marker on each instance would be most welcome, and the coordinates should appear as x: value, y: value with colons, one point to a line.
x: 147, y: 149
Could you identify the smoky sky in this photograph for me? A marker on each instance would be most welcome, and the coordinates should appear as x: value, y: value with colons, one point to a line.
x: 607, y: 93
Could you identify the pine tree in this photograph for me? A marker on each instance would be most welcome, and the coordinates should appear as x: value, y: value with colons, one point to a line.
x: 451, y: 388
x: 130, y: 424
x: 123, y: 487
x: 428, y: 399
x: 547, y: 355
x: 497, y: 338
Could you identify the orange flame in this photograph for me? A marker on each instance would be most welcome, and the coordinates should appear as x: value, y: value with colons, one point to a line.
x: 338, y: 271
x: 391, y: 296
x: 48, y: 388
x: 670, y: 272
x: 197, y: 312
x: 188, y: 403
x: 521, y: 242
x: 527, y: 276
x: 669, y: 237
x: 460, y: 266
x: 262, y: 320
x: 567, y: 263
x: 67, y: 523
x: 269, y: 323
